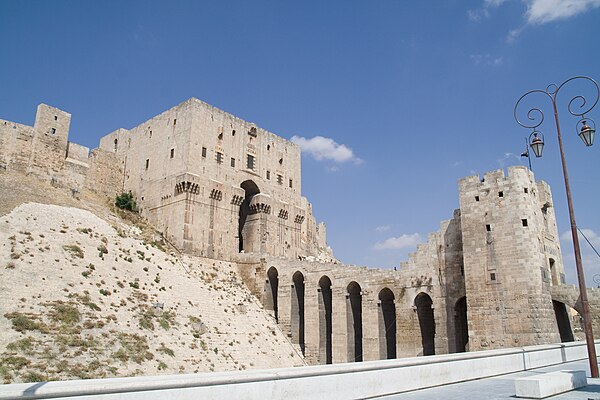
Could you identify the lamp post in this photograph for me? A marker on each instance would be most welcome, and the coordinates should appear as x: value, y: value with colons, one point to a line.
x: 586, y: 133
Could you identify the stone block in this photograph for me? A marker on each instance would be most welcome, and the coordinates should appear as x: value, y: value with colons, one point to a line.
x: 545, y: 385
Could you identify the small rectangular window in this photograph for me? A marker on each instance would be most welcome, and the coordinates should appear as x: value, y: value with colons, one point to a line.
x: 291, y: 183
x: 53, y: 131
x: 524, y: 222
x: 219, y: 158
x: 232, y: 162
x: 280, y: 179
x: 172, y: 153
x: 147, y: 162
x: 268, y: 174
x: 525, y: 190
x: 204, y: 152
x: 476, y: 198
x: 174, y: 121
x: 56, y: 117
x: 500, y: 194
x: 493, y: 276
x: 488, y: 228
x: 250, y: 162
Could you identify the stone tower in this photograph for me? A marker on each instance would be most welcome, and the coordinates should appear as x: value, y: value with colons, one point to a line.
x: 511, y: 258
x: 50, y: 139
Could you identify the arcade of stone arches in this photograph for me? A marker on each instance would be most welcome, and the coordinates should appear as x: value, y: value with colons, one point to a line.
x: 345, y: 323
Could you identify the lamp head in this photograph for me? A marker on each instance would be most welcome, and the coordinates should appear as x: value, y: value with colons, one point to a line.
x: 586, y: 133
x: 537, y: 144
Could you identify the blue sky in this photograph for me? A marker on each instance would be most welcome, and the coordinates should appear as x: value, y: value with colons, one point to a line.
x: 406, y: 96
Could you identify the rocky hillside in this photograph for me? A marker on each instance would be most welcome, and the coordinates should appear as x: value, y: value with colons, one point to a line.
x: 81, y: 297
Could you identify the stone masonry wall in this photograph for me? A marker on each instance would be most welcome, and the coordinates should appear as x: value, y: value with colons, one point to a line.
x: 505, y: 262
x: 187, y: 167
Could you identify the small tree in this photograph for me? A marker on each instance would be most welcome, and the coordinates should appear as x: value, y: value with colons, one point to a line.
x: 125, y: 201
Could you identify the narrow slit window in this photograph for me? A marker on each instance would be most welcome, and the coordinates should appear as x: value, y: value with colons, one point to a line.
x: 291, y: 183
x: 493, y: 276
x: 204, y: 152
x: 524, y: 222
x: 219, y: 158
x: 488, y: 228
x: 280, y: 179
x: 56, y: 117
x: 174, y: 121
x: 172, y: 153
x: 147, y: 163
x: 233, y: 162
x: 268, y: 175
x: 53, y: 131
x: 476, y: 198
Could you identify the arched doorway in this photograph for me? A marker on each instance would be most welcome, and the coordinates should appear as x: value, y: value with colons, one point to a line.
x: 297, y: 320
x: 325, y: 327
x: 250, y: 190
x: 561, y: 311
x: 426, y: 323
x: 271, y: 290
x: 354, y: 322
x: 387, y: 324
x: 461, y: 325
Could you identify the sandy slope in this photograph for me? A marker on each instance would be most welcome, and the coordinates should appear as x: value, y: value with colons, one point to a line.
x: 80, y: 299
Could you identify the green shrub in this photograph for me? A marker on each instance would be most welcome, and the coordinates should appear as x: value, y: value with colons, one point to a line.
x: 165, y: 350
x: 125, y: 201
x: 74, y: 249
x: 65, y: 313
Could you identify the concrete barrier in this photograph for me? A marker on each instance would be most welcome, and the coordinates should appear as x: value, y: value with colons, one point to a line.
x: 338, y: 381
x: 546, y: 385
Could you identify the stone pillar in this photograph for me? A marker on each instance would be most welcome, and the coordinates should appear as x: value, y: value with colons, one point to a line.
x: 370, y: 320
x: 339, y: 331
x: 311, y: 319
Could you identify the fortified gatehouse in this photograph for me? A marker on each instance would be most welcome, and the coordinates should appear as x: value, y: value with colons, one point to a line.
x: 222, y: 188
x: 217, y: 185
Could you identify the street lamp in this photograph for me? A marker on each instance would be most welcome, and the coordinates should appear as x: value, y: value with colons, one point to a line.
x: 586, y: 133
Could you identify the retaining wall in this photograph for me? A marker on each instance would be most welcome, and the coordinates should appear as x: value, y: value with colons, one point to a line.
x: 338, y: 381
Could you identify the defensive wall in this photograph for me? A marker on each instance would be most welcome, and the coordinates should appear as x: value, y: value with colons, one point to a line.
x: 43, y: 150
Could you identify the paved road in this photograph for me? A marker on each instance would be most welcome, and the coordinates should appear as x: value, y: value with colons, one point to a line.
x: 502, y: 387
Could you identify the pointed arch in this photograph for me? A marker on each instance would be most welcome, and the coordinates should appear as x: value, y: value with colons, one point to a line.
x: 250, y: 190
x: 424, y: 304
x: 461, y: 325
x: 354, y: 322
x: 325, y: 321
x: 297, y: 320
x: 271, y: 292
x: 387, y: 324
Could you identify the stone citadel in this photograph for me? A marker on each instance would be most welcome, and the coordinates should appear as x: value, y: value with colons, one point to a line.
x: 219, y: 187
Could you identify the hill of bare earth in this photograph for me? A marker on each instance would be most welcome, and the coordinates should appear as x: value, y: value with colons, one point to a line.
x: 83, y: 298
